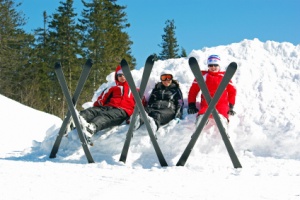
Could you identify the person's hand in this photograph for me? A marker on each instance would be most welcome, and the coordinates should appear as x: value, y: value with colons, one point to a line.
x: 192, y: 108
x: 231, y: 111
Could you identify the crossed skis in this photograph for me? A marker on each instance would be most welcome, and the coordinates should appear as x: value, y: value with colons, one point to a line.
x: 140, y: 109
x: 146, y: 74
x: 72, y: 111
x: 211, y: 110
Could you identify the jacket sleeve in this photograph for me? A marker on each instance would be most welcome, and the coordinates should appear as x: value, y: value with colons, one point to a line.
x: 103, y: 97
x: 231, y: 89
x: 193, y: 92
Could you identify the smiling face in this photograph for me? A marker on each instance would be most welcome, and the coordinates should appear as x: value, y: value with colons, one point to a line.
x: 121, y: 78
x: 166, y: 79
x: 213, y: 63
x: 213, y: 68
x: 167, y: 83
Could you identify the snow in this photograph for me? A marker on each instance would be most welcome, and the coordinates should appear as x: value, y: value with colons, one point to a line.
x: 265, y: 134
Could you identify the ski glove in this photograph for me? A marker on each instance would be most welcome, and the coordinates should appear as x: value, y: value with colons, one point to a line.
x: 192, y: 108
x: 231, y: 111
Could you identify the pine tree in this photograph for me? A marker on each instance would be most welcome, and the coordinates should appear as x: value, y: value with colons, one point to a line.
x: 43, y: 64
x: 183, y: 52
x: 63, y: 43
x: 26, y: 64
x: 14, y: 52
x: 102, y: 24
x: 169, y: 44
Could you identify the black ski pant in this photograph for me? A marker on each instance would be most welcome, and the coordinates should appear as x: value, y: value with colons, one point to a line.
x: 104, y: 117
x: 161, y: 116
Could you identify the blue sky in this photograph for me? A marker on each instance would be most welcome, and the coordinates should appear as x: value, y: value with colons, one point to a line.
x: 199, y: 23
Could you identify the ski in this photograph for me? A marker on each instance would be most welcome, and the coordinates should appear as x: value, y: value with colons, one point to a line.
x: 194, y: 67
x: 72, y: 110
x: 211, y: 109
x: 83, y: 77
x: 146, y: 74
x: 127, y: 73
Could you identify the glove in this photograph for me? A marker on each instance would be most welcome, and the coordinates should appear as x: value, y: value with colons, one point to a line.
x: 192, y: 108
x: 231, y: 111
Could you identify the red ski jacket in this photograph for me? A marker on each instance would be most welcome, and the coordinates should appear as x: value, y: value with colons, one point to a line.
x: 212, y: 80
x: 118, y: 96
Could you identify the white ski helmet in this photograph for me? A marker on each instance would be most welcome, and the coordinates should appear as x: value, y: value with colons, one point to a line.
x: 166, y: 71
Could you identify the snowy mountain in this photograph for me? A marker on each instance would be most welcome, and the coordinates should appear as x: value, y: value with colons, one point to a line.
x: 264, y: 133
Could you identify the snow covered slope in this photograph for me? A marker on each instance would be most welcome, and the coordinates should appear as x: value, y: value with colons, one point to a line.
x: 264, y: 133
x: 266, y: 124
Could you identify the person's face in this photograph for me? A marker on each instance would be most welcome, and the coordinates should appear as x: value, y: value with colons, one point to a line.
x: 166, y: 79
x: 213, y: 68
x: 121, y: 78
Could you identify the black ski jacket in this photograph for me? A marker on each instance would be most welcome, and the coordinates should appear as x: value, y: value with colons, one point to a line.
x: 167, y: 97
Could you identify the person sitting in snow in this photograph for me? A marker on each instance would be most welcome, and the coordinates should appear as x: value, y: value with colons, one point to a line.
x: 165, y: 102
x: 114, y: 105
x: 213, y: 77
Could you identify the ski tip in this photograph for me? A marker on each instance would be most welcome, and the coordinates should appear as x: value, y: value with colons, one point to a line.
x: 152, y: 58
x: 233, y: 64
x: 123, y: 62
x: 89, y: 62
x: 57, y: 65
x: 192, y: 60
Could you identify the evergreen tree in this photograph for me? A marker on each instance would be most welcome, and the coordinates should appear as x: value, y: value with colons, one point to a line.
x: 63, y: 43
x: 183, y: 52
x: 27, y: 65
x: 64, y: 39
x: 102, y: 25
x: 14, y: 52
x: 169, y: 44
x: 42, y: 62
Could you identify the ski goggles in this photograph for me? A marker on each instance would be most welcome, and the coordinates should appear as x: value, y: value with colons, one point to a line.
x: 120, y: 75
x: 213, y: 65
x: 165, y: 77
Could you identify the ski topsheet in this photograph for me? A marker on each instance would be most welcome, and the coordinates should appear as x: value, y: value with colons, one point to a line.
x: 71, y: 104
x: 83, y: 77
x: 143, y: 114
x: 211, y: 109
x: 146, y: 74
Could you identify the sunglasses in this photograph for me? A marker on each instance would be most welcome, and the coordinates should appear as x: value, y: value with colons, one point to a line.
x: 166, y: 77
x: 120, y: 75
x: 213, y: 65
